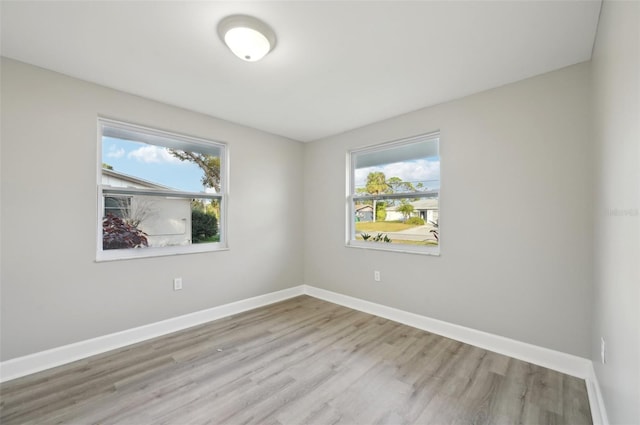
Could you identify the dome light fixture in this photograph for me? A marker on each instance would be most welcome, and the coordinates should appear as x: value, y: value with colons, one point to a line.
x: 248, y: 38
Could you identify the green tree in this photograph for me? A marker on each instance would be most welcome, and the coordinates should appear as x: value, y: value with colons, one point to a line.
x: 398, y: 186
x: 197, y: 204
x: 381, y: 211
x: 203, y: 225
x: 209, y: 164
x: 377, y: 183
x: 406, y: 209
x: 213, y: 208
x: 107, y: 166
x: 394, y: 183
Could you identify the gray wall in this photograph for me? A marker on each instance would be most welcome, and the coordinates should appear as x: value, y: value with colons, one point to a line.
x: 515, y: 215
x: 616, y: 101
x: 53, y: 292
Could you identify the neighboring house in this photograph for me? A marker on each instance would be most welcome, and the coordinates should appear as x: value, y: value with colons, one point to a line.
x: 364, y: 212
x: 426, y: 209
x: 393, y: 214
x: 166, y: 221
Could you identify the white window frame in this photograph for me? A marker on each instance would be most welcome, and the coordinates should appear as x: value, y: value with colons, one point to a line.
x: 350, y: 240
x: 102, y: 191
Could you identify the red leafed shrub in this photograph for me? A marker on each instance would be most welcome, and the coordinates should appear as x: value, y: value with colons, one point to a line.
x: 117, y: 234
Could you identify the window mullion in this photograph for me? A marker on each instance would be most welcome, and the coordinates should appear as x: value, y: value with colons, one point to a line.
x: 426, y: 194
x: 158, y: 192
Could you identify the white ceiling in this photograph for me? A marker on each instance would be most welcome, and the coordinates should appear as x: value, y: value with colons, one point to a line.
x: 337, y: 65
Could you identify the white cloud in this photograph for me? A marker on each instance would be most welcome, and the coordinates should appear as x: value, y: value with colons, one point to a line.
x: 416, y: 171
x: 153, y: 155
x: 115, y: 152
x: 411, y: 171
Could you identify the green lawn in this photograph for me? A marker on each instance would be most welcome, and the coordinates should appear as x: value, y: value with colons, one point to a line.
x: 430, y: 242
x: 381, y: 226
x: 214, y: 238
x: 424, y: 242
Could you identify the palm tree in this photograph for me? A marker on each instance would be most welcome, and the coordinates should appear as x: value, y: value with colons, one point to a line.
x: 376, y: 183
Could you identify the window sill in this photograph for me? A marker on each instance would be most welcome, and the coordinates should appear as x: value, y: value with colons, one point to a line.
x: 130, y: 254
x: 406, y: 249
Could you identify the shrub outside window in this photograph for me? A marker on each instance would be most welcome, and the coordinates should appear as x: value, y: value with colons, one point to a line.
x: 393, y: 198
x: 159, y: 193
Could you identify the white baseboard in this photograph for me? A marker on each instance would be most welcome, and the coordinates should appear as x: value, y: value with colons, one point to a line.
x: 556, y: 360
x: 551, y: 359
x: 36, y: 362
x: 596, y: 401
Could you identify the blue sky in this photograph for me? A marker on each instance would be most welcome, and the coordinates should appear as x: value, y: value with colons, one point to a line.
x: 157, y: 165
x: 152, y: 163
x: 425, y: 170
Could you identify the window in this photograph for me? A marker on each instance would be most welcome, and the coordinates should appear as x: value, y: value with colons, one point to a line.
x: 119, y: 206
x: 393, y: 196
x: 158, y: 193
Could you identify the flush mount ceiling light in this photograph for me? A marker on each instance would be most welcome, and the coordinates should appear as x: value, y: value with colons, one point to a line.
x: 247, y: 37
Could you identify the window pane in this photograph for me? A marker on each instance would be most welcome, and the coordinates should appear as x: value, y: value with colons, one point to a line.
x: 409, y: 221
x: 136, y: 164
x: 157, y: 138
x: 158, y: 221
x: 427, y: 148
x: 205, y: 223
x: 117, y: 205
x: 407, y: 168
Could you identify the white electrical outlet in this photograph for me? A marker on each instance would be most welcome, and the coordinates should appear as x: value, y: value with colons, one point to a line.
x: 603, y: 351
x: 177, y: 284
x: 376, y: 276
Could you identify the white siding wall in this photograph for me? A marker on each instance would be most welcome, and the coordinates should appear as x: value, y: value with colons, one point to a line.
x: 169, y: 221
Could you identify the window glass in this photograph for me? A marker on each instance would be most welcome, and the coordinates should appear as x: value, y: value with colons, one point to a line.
x: 117, y: 205
x: 159, y: 193
x: 394, y: 199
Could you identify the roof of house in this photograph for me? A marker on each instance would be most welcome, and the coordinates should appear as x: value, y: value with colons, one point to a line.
x: 133, y: 180
x: 425, y: 204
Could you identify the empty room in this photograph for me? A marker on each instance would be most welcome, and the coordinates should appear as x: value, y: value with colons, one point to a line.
x: 320, y: 212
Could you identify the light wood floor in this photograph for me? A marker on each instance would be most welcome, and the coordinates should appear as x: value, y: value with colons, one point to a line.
x: 301, y: 361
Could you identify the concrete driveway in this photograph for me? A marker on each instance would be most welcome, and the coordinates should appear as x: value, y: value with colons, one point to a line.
x: 418, y: 233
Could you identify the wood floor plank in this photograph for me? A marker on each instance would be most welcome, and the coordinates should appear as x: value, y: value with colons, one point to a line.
x: 299, y: 361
